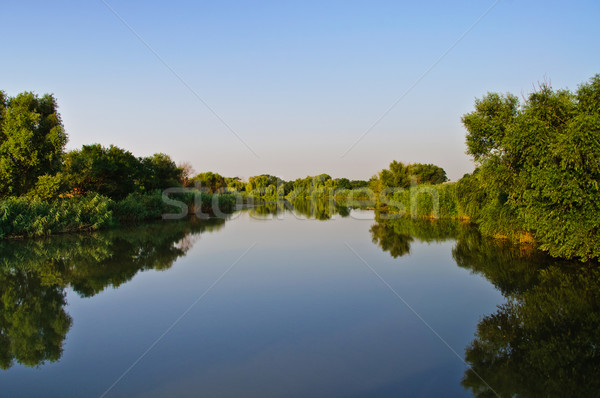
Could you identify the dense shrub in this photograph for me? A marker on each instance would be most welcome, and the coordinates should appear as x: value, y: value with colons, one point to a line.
x: 21, y: 216
x: 27, y: 217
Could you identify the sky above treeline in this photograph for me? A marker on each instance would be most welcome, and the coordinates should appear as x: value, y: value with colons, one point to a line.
x: 290, y: 88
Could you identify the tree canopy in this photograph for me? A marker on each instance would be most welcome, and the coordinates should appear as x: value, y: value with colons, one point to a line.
x: 32, y: 141
x: 539, y: 166
x: 399, y: 175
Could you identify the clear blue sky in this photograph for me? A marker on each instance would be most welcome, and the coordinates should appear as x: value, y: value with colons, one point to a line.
x: 298, y: 81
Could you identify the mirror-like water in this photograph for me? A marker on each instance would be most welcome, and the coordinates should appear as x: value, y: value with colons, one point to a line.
x: 276, y: 303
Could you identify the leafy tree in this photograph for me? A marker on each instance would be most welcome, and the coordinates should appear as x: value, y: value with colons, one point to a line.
x: 399, y: 175
x: 343, y: 183
x: 354, y: 184
x: 159, y: 172
x: 32, y: 140
x: 266, y: 186
x: 112, y: 171
x: 539, y: 167
x: 426, y: 173
x: 211, y: 181
x: 235, y: 183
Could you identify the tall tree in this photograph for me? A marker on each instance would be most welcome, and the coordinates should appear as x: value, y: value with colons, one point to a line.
x: 539, y: 166
x: 111, y: 171
x: 159, y: 172
x: 32, y: 141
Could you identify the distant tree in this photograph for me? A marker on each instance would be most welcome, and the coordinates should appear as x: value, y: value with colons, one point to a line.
x: 400, y: 175
x: 426, y: 173
x: 209, y: 180
x: 343, y: 183
x: 112, y: 171
x: 32, y: 141
x: 235, y: 183
x: 159, y: 172
x: 359, y: 184
x: 263, y: 181
x: 187, y: 171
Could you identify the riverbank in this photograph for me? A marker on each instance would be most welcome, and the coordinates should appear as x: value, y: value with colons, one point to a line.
x: 22, y: 217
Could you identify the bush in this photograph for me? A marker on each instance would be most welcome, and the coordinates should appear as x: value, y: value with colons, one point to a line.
x: 21, y: 216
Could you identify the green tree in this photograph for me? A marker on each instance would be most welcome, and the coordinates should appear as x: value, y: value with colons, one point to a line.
x: 343, y: 183
x: 211, y: 181
x: 159, y: 172
x: 399, y: 175
x: 426, y: 173
x: 539, y: 167
x: 112, y: 171
x: 32, y: 140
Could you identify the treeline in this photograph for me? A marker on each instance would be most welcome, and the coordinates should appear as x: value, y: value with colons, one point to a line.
x: 45, y: 190
x: 538, y: 168
x: 537, y: 178
x: 536, y: 181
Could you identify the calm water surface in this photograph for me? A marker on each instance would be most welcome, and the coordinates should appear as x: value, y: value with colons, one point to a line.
x: 268, y: 305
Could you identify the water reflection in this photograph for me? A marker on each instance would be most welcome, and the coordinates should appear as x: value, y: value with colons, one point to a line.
x: 542, y: 342
x: 545, y: 340
x: 318, y: 209
x: 35, y: 273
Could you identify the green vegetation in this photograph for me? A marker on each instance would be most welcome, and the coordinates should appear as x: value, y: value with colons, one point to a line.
x: 404, y: 176
x: 538, y: 168
x: 537, y: 177
x: 44, y: 190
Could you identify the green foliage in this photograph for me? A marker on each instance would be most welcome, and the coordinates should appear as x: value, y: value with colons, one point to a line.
x: 426, y: 173
x: 539, y: 168
x: 35, y: 217
x: 48, y: 187
x: 403, y: 176
x: 235, y: 184
x: 321, y: 187
x: 158, y: 171
x: 213, y: 182
x: 266, y: 187
x: 430, y: 201
x: 138, y: 207
x: 488, y: 123
x: 32, y: 140
x: 27, y: 217
x: 113, y: 172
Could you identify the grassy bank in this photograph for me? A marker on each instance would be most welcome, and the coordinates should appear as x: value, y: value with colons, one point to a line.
x: 26, y: 217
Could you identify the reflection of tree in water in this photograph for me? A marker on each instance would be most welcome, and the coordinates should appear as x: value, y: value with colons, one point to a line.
x: 545, y: 341
x: 315, y: 208
x: 34, y: 274
x: 33, y: 323
x: 395, y: 234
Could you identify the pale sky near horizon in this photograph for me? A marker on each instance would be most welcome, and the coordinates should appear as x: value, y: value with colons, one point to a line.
x: 299, y: 82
